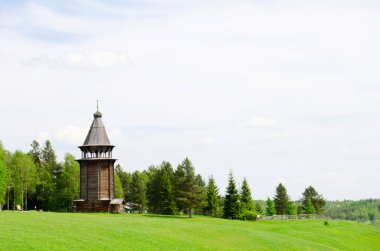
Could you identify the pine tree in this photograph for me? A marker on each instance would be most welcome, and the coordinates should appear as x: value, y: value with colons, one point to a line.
x: 246, y: 202
x: 258, y: 208
x: 291, y: 208
x: 231, y: 200
x: 153, y: 189
x: 35, y: 152
x: 190, y: 194
x: 179, y: 175
x: 49, y: 158
x: 309, y: 208
x: 47, y: 177
x: 270, y: 209
x: 281, y: 199
x: 201, y: 191
x: 316, y: 199
x: 167, y: 204
x: 138, y: 191
x: 212, y: 197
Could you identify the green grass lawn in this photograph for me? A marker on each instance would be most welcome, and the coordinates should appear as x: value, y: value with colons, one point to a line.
x: 98, y: 231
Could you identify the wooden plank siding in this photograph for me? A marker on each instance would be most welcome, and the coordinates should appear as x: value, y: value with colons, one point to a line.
x: 104, y: 182
x: 92, y: 185
x: 93, y: 206
x: 96, y: 184
x: 83, y: 181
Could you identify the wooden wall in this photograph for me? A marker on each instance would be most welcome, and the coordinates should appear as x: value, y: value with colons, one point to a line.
x: 93, y: 206
x: 117, y: 208
x: 97, y: 179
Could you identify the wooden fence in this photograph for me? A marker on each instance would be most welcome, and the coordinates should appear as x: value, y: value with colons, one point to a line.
x: 291, y: 217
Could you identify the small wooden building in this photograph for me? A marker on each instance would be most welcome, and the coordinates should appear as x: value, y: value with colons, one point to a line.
x: 96, y: 171
x: 117, y: 205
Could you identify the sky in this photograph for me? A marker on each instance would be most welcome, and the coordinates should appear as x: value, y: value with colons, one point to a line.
x: 272, y: 91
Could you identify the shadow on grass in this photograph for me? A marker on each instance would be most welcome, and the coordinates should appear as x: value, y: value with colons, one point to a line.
x: 167, y: 216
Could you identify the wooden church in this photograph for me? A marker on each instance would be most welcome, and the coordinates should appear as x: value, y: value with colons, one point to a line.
x: 97, y: 172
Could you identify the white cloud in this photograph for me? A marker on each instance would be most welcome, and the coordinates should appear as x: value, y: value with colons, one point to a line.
x: 339, y: 177
x: 372, y: 173
x: 281, y: 135
x: 207, y: 142
x: 43, y: 136
x: 262, y: 122
x: 75, y: 135
x: 72, y: 134
x: 116, y: 135
x: 277, y: 180
x: 92, y: 60
x: 361, y: 151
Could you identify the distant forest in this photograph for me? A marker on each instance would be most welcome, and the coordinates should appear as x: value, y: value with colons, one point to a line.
x: 37, y: 181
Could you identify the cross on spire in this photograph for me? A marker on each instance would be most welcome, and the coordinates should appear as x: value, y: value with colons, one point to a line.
x: 97, y: 105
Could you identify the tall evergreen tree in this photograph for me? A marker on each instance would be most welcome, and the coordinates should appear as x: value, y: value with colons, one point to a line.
x: 68, y: 184
x: 212, y: 197
x: 258, y: 208
x: 231, y: 200
x: 316, y: 199
x: 200, y: 190
x: 35, y: 152
x: 48, y: 173
x: 153, y: 189
x: 179, y: 175
x: 246, y: 202
x: 138, y: 191
x: 281, y: 199
x: 167, y: 204
x: 270, y: 209
x: 189, y: 194
x: 49, y: 157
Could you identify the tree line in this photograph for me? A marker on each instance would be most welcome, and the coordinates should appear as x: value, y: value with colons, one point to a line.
x: 363, y: 210
x: 35, y: 180
x: 163, y: 190
x: 240, y: 205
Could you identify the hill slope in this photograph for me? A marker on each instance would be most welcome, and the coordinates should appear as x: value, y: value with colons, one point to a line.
x: 68, y: 231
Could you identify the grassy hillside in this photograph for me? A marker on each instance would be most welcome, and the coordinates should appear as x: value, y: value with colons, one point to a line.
x: 69, y: 231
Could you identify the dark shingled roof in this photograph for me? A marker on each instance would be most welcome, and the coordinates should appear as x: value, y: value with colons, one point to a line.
x: 97, y: 134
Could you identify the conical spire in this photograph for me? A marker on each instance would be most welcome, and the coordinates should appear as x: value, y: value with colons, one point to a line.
x: 97, y: 135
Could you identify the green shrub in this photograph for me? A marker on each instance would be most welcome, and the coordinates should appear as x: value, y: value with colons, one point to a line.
x: 248, y: 215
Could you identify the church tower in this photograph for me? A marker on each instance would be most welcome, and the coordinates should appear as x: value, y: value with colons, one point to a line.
x: 96, y: 170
